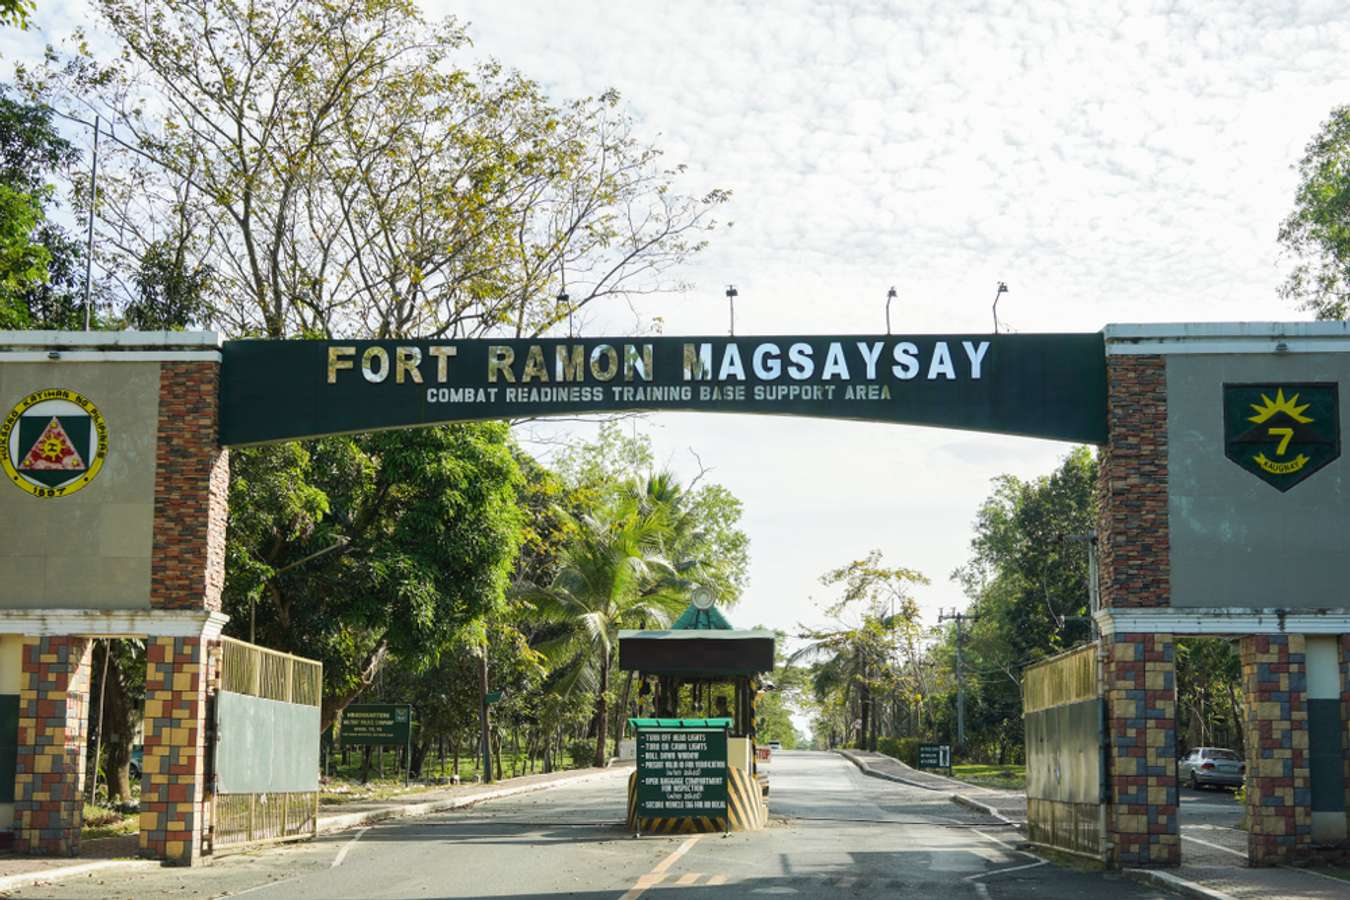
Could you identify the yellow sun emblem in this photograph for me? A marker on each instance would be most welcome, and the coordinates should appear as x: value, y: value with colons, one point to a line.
x: 52, y: 447
x: 1267, y: 408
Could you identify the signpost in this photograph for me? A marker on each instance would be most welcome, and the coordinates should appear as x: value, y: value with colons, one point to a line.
x: 935, y: 756
x: 380, y: 725
x: 681, y: 772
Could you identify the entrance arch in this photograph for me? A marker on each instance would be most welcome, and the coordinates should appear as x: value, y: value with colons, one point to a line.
x: 1185, y: 533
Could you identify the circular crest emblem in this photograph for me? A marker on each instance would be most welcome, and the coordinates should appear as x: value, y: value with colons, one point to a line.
x: 53, y: 443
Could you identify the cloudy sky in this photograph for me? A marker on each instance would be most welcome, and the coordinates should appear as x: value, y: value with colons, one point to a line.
x: 1110, y: 167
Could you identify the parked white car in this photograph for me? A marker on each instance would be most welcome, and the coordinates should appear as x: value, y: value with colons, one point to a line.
x: 1211, y: 765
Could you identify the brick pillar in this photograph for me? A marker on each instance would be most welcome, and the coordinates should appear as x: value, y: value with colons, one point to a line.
x: 187, y: 572
x: 192, y: 488
x: 1134, y: 554
x: 1140, y: 681
x: 1279, y: 788
x: 175, y: 807
x: 53, y: 720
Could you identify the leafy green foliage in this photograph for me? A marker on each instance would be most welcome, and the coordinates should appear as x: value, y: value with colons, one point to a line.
x: 352, y: 548
x: 870, y: 651
x: 1027, y: 579
x: 38, y: 261
x: 1317, y: 231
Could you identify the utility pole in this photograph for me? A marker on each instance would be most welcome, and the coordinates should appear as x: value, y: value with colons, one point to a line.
x: 959, y: 618
x: 93, y: 208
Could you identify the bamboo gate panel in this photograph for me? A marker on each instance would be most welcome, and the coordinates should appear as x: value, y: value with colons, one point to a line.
x: 251, y: 818
x: 1063, y: 718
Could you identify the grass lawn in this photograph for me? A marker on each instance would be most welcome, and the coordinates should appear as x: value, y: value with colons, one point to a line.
x: 344, y: 785
x: 1009, y: 777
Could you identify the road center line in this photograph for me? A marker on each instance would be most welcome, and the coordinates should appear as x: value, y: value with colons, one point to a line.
x: 658, y: 872
x: 342, y: 854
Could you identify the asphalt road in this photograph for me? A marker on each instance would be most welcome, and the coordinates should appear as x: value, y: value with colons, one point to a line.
x: 1209, y: 820
x: 835, y: 832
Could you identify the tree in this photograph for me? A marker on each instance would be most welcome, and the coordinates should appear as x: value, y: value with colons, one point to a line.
x: 16, y: 12
x: 350, y: 549
x: 1028, y: 584
x: 346, y: 176
x: 1317, y: 231
x: 611, y: 575
x: 859, y: 649
x: 37, y: 259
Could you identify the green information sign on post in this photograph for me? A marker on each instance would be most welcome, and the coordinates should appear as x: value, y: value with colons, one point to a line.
x: 386, y: 724
x: 681, y: 772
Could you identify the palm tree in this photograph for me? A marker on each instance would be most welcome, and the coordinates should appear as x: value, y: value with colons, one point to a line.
x: 611, y: 575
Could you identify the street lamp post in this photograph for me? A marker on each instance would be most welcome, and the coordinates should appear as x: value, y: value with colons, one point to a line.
x: 1002, y: 289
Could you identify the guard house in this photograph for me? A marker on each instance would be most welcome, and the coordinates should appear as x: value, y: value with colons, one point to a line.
x: 698, y: 677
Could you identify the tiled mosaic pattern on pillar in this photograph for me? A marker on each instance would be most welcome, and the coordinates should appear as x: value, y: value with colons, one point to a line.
x: 173, y: 790
x: 192, y: 475
x: 1279, y: 786
x: 1142, y: 761
x: 53, y: 719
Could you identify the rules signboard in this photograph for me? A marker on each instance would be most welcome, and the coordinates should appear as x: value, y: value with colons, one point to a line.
x: 681, y: 772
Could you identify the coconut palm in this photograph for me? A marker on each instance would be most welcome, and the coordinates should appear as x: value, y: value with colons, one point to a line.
x: 612, y: 575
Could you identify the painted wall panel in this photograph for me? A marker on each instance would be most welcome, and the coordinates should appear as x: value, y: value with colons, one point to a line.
x: 1236, y: 541
x: 89, y: 549
x: 265, y: 746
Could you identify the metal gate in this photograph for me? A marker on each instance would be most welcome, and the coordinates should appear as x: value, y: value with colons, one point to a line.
x: 265, y: 759
x: 1065, y: 727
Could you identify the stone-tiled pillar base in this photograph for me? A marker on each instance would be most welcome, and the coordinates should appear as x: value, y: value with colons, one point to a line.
x: 175, y: 809
x: 53, y: 717
x: 1279, y: 789
x: 1140, y: 681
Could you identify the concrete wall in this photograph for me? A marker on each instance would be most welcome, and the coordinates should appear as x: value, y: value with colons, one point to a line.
x: 90, y: 549
x: 1235, y: 540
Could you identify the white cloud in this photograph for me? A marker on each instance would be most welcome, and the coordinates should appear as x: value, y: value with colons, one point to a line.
x: 1108, y: 166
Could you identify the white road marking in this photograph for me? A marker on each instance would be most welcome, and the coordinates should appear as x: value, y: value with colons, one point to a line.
x: 342, y: 854
x: 259, y: 887
x: 980, y: 875
x: 982, y: 889
x: 1241, y: 853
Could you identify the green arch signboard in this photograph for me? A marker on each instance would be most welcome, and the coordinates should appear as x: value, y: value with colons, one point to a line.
x: 1037, y: 385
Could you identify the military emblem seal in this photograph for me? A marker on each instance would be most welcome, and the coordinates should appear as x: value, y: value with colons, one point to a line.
x: 54, y: 443
x: 1282, y: 433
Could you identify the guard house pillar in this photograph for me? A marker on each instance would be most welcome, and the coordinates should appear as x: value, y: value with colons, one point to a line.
x: 1275, y: 684
x: 119, y: 531
x: 50, y: 764
x: 1139, y: 674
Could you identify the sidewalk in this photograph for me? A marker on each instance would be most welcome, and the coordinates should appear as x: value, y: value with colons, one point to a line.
x: 1210, y: 869
x: 111, y: 856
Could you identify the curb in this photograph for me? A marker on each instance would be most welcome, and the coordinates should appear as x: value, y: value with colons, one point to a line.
x: 886, y: 776
x: 1176, y: 883
x: 977, y: 806
x: 344, y: 821
x: 28, y: 879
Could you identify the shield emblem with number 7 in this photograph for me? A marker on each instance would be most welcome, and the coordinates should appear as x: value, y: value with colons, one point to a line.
x: 1283, y: 432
